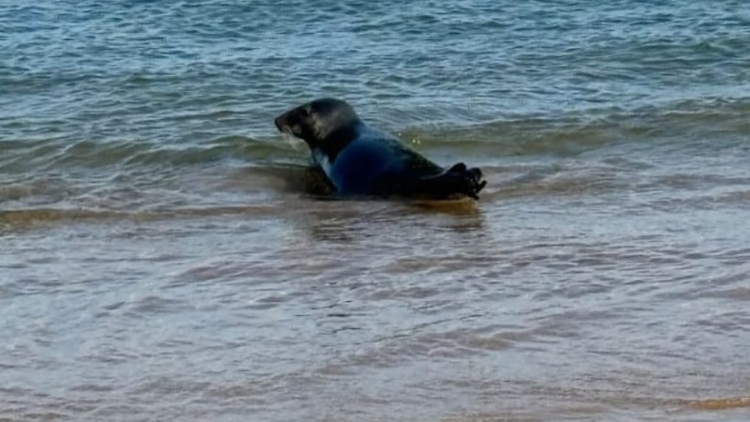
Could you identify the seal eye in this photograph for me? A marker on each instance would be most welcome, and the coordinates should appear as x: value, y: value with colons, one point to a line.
x: 306, y: 111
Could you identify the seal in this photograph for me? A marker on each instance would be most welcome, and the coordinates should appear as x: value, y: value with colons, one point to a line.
x: 362, y: 161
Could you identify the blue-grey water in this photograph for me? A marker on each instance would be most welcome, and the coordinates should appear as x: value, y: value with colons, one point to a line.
x: 160, y: 259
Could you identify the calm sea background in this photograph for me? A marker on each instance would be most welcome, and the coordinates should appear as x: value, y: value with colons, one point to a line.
x: 160, y: 259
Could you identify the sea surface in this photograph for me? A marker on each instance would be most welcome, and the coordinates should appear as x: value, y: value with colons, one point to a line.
x: 162, y: 259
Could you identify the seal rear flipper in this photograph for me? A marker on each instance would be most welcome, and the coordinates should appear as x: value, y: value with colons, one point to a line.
x: 457, y: 180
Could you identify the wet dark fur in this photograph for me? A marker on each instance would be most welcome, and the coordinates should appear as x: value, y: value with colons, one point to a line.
x: 360, y: 160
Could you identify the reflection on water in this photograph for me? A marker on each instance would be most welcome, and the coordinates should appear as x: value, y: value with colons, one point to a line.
x: 529, y: 306
x: 572, y: 290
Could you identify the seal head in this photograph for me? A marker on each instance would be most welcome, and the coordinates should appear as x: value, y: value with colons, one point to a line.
x: 326, y: 124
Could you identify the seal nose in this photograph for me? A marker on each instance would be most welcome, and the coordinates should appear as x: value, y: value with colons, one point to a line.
x: 279, y: 122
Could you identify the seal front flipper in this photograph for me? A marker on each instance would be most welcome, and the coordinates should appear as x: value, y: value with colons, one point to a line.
x: 457, y: 180
x: 316, y: 183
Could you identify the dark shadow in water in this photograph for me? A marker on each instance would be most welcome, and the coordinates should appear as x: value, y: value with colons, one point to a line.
x: 305, y: 195
x: 331, y: 218
x: 356, y: 230
x: 357, y: 220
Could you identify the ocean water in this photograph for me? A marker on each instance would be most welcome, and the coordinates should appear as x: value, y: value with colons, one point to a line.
x: 161, y: 258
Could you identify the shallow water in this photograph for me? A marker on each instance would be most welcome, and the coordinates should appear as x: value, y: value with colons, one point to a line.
x: 160, y: 259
